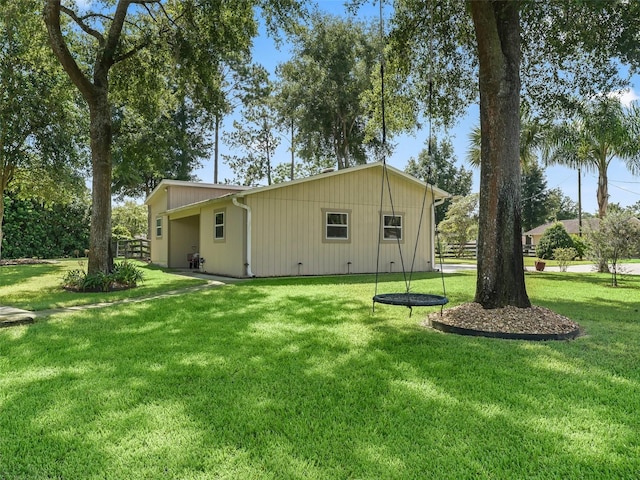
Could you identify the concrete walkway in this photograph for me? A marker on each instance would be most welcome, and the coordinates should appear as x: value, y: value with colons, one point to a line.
x: 10, y: 316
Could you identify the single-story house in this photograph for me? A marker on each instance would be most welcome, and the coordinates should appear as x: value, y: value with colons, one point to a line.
x: 532, y: 237
x: 328, y: 223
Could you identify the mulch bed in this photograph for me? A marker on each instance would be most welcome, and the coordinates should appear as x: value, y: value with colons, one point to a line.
x: 535, y: 323
x: 23, y: 261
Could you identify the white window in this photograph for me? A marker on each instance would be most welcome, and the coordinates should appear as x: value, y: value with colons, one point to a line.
x: 218, y: 226
x: 392, y: 227
x: 158, y: 227
x: 337, y: 226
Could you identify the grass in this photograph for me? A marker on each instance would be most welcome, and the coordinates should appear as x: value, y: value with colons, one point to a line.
x: 296, y: 379
x: 38, y: 287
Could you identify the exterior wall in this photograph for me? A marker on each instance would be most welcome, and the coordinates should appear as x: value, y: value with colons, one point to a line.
x: 183, y: 240
x: 223, y: 256
x: 159, y: 245
x: 288, y: 227
x: 180, y: 195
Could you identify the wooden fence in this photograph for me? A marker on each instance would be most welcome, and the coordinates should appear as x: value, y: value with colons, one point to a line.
x: 137, y: 248
x: 469, y: 250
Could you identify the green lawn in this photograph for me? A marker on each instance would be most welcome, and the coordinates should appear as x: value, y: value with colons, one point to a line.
x: 296, y: 379
x: 38, y: 287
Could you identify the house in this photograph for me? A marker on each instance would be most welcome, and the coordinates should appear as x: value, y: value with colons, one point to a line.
x: 324, y: 224
x: 532, y: 237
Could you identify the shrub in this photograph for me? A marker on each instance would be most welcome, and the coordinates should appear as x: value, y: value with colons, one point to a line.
x: 581, y: 245
x: 74, y: 279
x: 564, y: 256
x: 555, y: 236
x: 124, y: 274
x: 127, y: 274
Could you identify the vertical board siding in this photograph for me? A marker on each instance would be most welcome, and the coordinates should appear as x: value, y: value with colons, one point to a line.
x: 180, y: 195
x: 159, y: 246
x: 288, y: 226
x: 227, y: 257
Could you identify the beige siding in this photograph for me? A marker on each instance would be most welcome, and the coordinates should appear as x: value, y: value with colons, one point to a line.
x: 159, y: 245
x: 288, y: 226
x: 185, y: 195
x: 223, y: 257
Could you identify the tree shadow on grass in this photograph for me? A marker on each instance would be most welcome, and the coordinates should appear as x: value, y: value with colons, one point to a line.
x: 271, y: 381
x: 15, y: 274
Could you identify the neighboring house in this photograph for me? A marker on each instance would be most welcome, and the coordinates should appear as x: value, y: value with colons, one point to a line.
x: 324, y: 224
x: 532, y: 237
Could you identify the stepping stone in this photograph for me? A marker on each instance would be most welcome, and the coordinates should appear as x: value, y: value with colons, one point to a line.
x: 10, y: 316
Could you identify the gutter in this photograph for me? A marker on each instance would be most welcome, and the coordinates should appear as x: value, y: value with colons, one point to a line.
x: 234, y: 200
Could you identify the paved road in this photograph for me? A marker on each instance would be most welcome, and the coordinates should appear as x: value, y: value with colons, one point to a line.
x: 624, y: 268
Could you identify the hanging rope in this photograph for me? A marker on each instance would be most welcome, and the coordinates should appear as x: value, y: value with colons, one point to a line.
x: 407, y: 298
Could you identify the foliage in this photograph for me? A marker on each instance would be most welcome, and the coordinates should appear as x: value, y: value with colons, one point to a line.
x: 564, y: 256
x: 321, y: 88
x: 601, y: 131
x: 132, y: 217
x: 554, y: 237
x: 150, y: 144
x: 436, y: 165
x: 40, y: 122
x: 124, y: 275
x: 617, y: 237
x: 101, y: 393
x: 127, y: 274
x: 140, y: 52
x: 35, y: 229
x: 507, y: 51
x: 560, y: 206
x: 535, y: 196
x: 461, y: 222
x: 580, y: 244
x: 255, y: 136
x: 120, y: 232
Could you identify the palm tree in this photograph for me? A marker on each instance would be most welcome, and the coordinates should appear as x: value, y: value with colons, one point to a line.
x: 532, y: 137
x: 602, y: 130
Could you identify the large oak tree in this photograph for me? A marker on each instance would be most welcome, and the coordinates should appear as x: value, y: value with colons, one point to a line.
x: 549, y: 53
x: 195, y: 35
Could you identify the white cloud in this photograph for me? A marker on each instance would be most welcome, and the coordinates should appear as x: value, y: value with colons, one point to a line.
x: 625, y: 96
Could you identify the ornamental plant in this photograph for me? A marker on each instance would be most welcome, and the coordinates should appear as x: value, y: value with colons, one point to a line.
x: 555, y: 236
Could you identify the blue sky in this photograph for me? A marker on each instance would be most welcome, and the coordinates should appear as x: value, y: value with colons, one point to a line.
x: 623, y: 187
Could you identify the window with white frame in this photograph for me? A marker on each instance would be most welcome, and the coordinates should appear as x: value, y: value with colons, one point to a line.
x: 336, y: 225
x: 392, y: 227
x: 218, y: 225
x: 158, y: 227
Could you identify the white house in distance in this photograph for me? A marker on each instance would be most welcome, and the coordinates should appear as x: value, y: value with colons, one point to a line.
x: 319, y: 225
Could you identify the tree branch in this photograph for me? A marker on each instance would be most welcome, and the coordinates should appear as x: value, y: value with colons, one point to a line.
x: 52, y: 10
x: 80, y: 22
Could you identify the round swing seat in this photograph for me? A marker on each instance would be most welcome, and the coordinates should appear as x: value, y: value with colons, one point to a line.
x: 411, y: 299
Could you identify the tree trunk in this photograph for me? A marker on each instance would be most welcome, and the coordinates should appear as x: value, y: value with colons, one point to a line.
x: 603, y: 191
x: 100, y: 255
x: 500, y: 280
x: 603, y: 203
x: 1, y: 220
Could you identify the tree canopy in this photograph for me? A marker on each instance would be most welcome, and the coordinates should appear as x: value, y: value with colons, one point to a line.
x: 40, y: 121
x: 548, y: 53
x: 122, y: 49
x: 321, y: 88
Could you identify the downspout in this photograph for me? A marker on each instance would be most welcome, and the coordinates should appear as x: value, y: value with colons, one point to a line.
x: 234, y: 200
